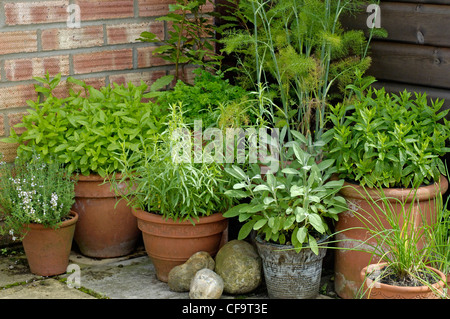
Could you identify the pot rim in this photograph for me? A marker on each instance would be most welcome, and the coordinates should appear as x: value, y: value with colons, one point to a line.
x: 260, y: 240
x: 66, y: 223
x: 95, y: 177
x: 423, y: 192
x: 419, y: 289
x: 160, y: 219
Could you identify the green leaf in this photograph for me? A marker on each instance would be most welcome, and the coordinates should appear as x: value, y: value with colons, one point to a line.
x: 301, y: 234
x: 313, y: 244
x: 260, y: 223
x: 234, y: 211
x: 316, y: 222
x: 246, y: 229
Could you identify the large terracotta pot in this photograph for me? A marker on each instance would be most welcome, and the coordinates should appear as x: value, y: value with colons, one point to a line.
x: 48, y: 249
x: 376, y: 290
x: 348, y: 263
x: 170, y: 243
x: 106, y: 226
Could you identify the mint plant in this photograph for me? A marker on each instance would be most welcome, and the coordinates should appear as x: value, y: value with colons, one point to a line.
x: 380, y: 139
x: 87, y: 132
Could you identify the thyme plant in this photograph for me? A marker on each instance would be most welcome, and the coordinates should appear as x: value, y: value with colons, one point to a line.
x: 34, y: 191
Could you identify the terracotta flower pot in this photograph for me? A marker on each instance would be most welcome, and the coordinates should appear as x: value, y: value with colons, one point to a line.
x: 169, y: 243
x: 48, y: 249
x: 104, y: 230
x: 348, y: 264
x: 376, y: 290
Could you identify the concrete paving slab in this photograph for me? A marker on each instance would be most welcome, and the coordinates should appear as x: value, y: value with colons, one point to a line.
x: 133, y: 278
x: 43, y: 289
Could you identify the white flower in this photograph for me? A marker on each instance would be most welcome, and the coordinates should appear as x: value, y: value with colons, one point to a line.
x: 54, y: 200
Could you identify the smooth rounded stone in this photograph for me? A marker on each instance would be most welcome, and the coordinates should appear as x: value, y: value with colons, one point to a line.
x: 206, y: 285
x: 180, y: 276
x: 240, y: 267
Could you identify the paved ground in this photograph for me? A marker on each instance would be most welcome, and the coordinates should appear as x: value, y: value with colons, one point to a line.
x: 129, y: 277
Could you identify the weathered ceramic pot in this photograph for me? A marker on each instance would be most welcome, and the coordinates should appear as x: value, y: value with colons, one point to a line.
x: 170, y: 243
x: 288, y: 274
x: 349, y: 263
x: 106, y: 226
x: 47, y: 249
x: 376, y: 290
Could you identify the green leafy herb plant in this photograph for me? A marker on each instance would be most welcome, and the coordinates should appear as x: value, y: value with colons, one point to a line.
x: 86, y: 129
x: 297, y: 54
x: 33, y: 191
x: 380, y: 139
x: 191, y: 38
x: 208, y: 99
x: 291, y: 206
x: 167, y: 181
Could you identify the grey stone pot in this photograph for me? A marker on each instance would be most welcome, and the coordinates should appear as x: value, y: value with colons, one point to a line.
x: 288, y: 274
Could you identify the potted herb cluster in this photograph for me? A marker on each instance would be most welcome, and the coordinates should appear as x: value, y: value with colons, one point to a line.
x: 384, y: 145
x: 291, y: 211
x: 178, y: 201
x: 36, y: 198
x: 84, y: 131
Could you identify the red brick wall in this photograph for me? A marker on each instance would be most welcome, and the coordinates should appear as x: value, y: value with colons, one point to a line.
x: 35, y: 38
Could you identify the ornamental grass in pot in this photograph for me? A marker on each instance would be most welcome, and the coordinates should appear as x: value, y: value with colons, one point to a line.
x: 177, y: 200
x: 384, y: 145
x: 36, y: 198
x: 84, y: 131
x: 400, y: 265
x: 292, y: 211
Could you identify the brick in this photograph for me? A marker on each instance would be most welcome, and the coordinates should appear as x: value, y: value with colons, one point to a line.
x: 157, y: 8
x: 154, y: 8
x: 18, y: 41
x: 103, y: 61
x: 16, y: 96
x: 105, y: 9
x: 64, y: 39
x: 23, y: 13
x: 147, y: 59
x: 26, y: 69
x: 130, y: 32
x: 135, y: 78
x: 16, y: 118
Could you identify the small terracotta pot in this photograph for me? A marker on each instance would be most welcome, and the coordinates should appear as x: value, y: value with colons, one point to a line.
x: 106, y: 227
x: 48, y: 249
x: 170, y: 243
x: 348, y: 263
x: 376, y: 290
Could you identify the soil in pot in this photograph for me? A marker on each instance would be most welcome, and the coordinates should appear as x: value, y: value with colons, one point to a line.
x: 382, y: 283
